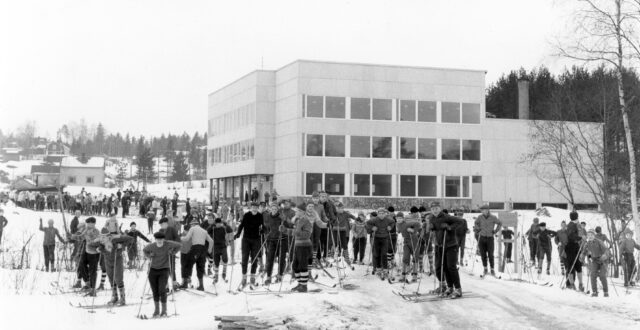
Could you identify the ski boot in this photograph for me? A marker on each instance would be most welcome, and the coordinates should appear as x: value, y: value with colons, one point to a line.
x: 548, y: 272
x: 122, y: 300
x: 156, y: 310
x: 446, y: 293
x: 164, y: 309
x: 414, y: 278
x: 86, y: 288
x: 208, y: 271
x: 486, y: 271
x: 53, y: 269
x: 594, y: 294
x: 299, y: 288
x: 215, y: 277
x: 456, y: 293
x: 402, y: 278
x: 184, y: 285
x: 493, y: 272
x: 539, y: 271
x: 200, y: 285
x: 101, y: 287
x: 278, y: 278
x: 252, y: 279
x: 606, y: 294
x: 267, y: 281
x: 243, y: 283
x: 114, y: 296
x: 91, y: 293
x: 224, y: 275
x: 581, y: 288
x: 77, y: 285
x: 439, y: 290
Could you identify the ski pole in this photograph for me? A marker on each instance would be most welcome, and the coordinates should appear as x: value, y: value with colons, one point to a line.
x: 144, y: 288
x: 113, y: 279
x: 373, y: 240
x: 444, y: 244
x: 173, y: 290
x: 289, y: 261
x: 337, y: 258
x: 427, y: 252
x: 93, y: 286
x: 393, y: 250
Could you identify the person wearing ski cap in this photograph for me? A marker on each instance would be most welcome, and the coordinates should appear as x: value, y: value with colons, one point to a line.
x: 444, y: 227
x: 90, y: 258
x: 112, y: 243
x: 218, y: 232
x: 487, y: 226
x: 302, y: 231
x: 340, y: 231
x: 598, y: 255
x: 359, y: 238
x: 319, y: 239
x: 544, y: 247
x: 198, y: 237
x: 574, y: 263
x: 170, y: 234
x: 561, y: 240
x: 379, y: 226
x: 601, y: 236
x: 252, y: 226
x: 532, y: 237
x: 409, y: 228
x: 331, y: 214
x: 393, y: 240
x: 426, y: 241
x: 49, y: 244
x: 132, y: 251
x: 159, y: 252
x: 627, y: 244
x: 277, y: 243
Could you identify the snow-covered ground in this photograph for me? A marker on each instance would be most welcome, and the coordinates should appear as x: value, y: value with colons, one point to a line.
x: 502, y: 304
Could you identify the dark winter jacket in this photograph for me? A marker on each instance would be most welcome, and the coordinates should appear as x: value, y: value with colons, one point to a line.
x: 219, y: 235
x: 50, y: 234
x: 160, y: 255
x: 487, y: 226
x: 135, y: 234
x: 544, y: 238
x: 251, y: 224
x: 573, y: 232
x: 171, y: 234
x: 330, y: 210
x: 532, y: 233
x: 73, y: 226
x: 272, y: 224
x: 302, y: 230
x: 342, y: 221
x: 359, y: 229
x: 445, y: 223
x: 381, y: 224
x: 507, y: 234
x: 410, y: 237
x: 561, y: 237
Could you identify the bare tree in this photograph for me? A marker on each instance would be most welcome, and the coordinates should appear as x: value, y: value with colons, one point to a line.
x: 604, y: 31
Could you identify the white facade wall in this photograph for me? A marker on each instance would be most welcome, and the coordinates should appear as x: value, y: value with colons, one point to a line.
x: 81, y: 174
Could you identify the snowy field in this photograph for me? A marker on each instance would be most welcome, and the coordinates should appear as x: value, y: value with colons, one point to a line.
x: 26, y: 297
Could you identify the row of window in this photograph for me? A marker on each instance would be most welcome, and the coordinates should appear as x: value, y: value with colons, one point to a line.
x: 236, y: 152
x: 381, y: 185
x: 238, y: 118
x: 383, y: 109
x: 73, y: 179
x: 318, y: 145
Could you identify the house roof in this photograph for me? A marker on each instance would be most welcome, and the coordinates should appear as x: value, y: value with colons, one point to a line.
x: 93, y: 162
x: 50, y: 169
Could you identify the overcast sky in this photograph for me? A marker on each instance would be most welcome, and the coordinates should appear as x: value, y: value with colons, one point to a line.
x: 146, y: 66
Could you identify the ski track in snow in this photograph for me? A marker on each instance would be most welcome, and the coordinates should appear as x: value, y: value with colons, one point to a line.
x: 372, y: 305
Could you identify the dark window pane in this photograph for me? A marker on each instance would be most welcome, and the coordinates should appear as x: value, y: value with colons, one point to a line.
x: 452, y: 186
x: 427, y: 186
x: 450, y: 112
x: 470, y: 149
x: 381, y: 147
x: 314, y: 182
x: 335, y: 107
x: 314, y: 106
x: 381, y: 109
x: 471, y: 113
x: 477, y: 179
x: 427, y: 111
x: 334, y: 145
x: 407, y: 185
x: 334, y: 184
x: 360, y: 108
x: 427, y: 149
x: 381, y: 185
x: 314, y: 145
x: 360, y: 146
x: 407, y: 110
x: 361, y: 185
x: 466, y: 192
x: 408, y: 148
x: 450, y: 149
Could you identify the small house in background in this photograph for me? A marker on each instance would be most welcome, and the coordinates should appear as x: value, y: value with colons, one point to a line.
x: 56, y: 151
x: 82, y: 171
x: 45, y: 175
x: 11, y: 153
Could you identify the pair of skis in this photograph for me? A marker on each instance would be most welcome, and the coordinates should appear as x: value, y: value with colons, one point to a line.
x: 428, y: 297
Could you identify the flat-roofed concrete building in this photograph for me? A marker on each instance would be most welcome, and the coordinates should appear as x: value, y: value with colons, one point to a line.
x: 371, y: 135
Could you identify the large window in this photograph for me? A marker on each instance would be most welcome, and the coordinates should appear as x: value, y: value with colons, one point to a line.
x: 334, y: 145
x: 471, y: 113
x: 361, y: 185
x: 470, y: 149
x: 232, y: 153
x: 408, y: 148
x: 89, y: 179
x: 457, y: 186
x: 427, y: 149
x: 360, y: 108
x: 427, y: 111
x: 450, y: 112
x: 314, y: 145
x: 450, y: 149
x: 334, y: 184
x: 335, y: 107
x: 313, y: 182
x: 381, y: 147
x: 315, y: 106
x: 361, y: 146
x: 427, y: 186
x: 381, y: 185
x: 407, y: 110
x: 407, y: 185
x: 232, y: 120
x: 381, y: 109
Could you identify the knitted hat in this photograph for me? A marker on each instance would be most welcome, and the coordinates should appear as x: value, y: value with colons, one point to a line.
x: 400, y: 215
x: 391, y: 209
x: 163, y: 220
x: 90, y: 220
x: 542, y: 224
x: 132, y: 223
x: 158, y: 235
x: 414, y: 209
x: 591, y: 231
x: 573, y: 215
x: 302, y: 206
x: 339, y: 204
x: 382, y: 210
x: 218, y: 220
x: 254, y: 204
x: 315, y: 194
x: 272, y: 204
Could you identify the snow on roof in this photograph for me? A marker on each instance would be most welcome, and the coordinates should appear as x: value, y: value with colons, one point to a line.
x: 75, y: 162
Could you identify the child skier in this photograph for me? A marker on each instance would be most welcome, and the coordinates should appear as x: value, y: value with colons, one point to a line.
x: 302, y: 230
x: 544, y: 246
x: 598, y: 255
x: 409, y: 228
x: 277, y: 242
x: 132, y: 251
x: 444, y: 228
x: 219, y: 232
x: 379, y: 226
x: 627, y: 244
x: 90, y: 258
x: 159, y: 253
x: 49, y: 244
x: 340, y: 231
x: 251, y: 225
x: 359, y: 238
x: 114, y: 242
x: 198, y: 253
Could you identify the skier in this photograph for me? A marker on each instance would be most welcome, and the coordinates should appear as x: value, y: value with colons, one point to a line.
x: 277, y: 243
x: 164, y: 203
x: 219, y: 232
x: 532, y: 237
x: 444, y: 228
x: 198, y: 252
x: 426, y: 240
x: 132, y: 251
x: 170, y: 234
x: 224, y: 210
x: 90, y: 257
x: 174, y: 205
x: 574, y: 264
x: 330, y: 213
x: 544, y: 246
x: 409, y: 228
x: 393, y: 240
x: 113, y: 242
x: 151, y: 217
x: 301, y: 232
x: 461, y: 235
x: 251, y: 225
x: 627, y: 244
x: 486, y: 226
x: 602, y: 237
x: 598, y: 255
x: 379, y: 226
x: 49, y: 244
x: 359, y: 238
x: 507, y: 234
x: 3, y: 223
x: 159, y: 253
x: 317, y: 239
x: 341, y: 231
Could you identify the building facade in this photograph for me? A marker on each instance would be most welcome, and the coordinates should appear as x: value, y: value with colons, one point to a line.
x: 371, y: 135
